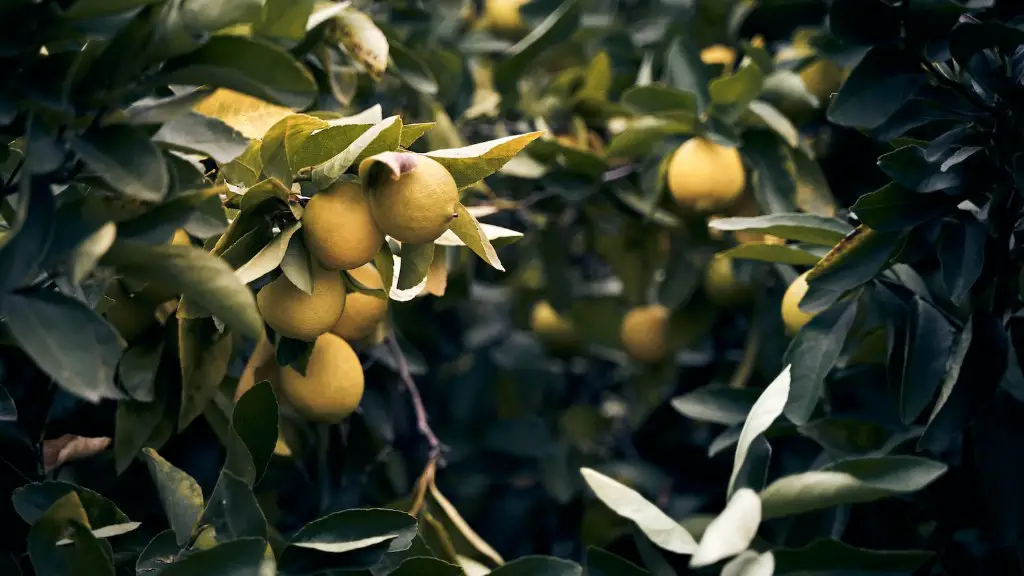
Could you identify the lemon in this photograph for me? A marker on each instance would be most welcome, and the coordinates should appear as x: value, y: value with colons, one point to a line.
x: 503, y: 15
x: 718, y: 54
x: 333, y: 384
x: 362, y: 312
x: 822, y: 77
x: 338, y: 228
x: 721, y: 285
x: 418, y: 206
x: 551, y: 327
x: 295, y: 314
x: 705, y: 176
x: 792, y: 316
x: 281, y: 448
x: 645, y: 332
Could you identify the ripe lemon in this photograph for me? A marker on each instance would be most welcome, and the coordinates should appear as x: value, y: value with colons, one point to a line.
x: 718, y: 54
x: 705, y: 176
x: 419, y: 205
x: 645, y: 332
x: 721, y: 285
x: 333, y: 384
x: 295, y: 314
x: 551, y: 327
x: 822, y: 77
x: 502, y: 15
x: 362, y: 312
x: 338, y: 228
x: 792, y: 316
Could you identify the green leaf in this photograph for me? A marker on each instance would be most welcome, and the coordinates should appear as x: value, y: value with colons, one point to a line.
x: 88, y: 252
x: 350, y: 539
x: 717, y: 403
x: 830, y: 555
x: 797, y: 226
x: 251, y: 423
x: 270, y: 257
x: 426, y: 566
x: 158, y: 553
x: 25, y: 247
x: 663, y: 102
x: 200, y: 212
x: 909, y: 167
x: 125, y: 158
x: 385, y: 136
x: 244, y: 65
x: 739, y: 89
x: 49, y: 528
x: 180, y: 495
x: 538, y: 566
x: 848, y: 482
x: 285, y: 19
x: 883, y: 80
x: 685, y: 71
x: 812, y: 354
x: 201, y: 134
x: 233, y: 511
x: 283, y: 141
x: 771, y: 117
x: 732, y: 531
x: 135, y: 425
x: 416, y: 259
x: 245, y: 170
x: 772, y: 252
x: 410, y: 69
x: 847, y: 436
x: 642, y: 135
x: 31, y: 501
x: 554, y: 30
x: 363, y: 41
x: 626, y: 502
x: 603, y: 563
x: 244, y: 557
x: 473, y: 234
x: 766, y: 410
x: 204, y: 354
x: 195, y: 273
x: 852, y: 262
x: 773, y: 185
x: 929, y: 343
x: 412, y: 132
x: 83, y: 360
x: 89, y: 556
x: 496, y: 235
x: 893, y: 207
x: 326, y: 143
x: 470, y: 164
x: 960, y: 255
x: 750, y: 563
x: 8, y: 411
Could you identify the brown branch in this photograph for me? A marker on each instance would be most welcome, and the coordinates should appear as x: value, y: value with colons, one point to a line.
x: 434, y: 453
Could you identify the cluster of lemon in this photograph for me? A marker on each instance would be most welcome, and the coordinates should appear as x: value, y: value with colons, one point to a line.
x: 344, y: 228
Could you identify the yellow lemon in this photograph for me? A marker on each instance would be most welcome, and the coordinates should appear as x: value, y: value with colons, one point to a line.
x: 418, y: 206
x: 705, y: 176
x: 792, y: 316
x: 552, y: 328
x: 503, y: 15
x: 645, y: 332
x: 721, y: 285
x: 333, y: 384
x: 718, y: 54
x: 338, y: 228
x: 295, y: 314
x: 362, y: 312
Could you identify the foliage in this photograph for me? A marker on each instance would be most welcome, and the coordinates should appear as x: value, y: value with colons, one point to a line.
x: 158, y: 158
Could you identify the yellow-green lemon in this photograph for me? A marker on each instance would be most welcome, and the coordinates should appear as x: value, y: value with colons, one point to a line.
x: 338, y: 228
x: 705, y: 176
x: 721, y: 285
x: 417, y: 206
x: 792, y: 316
x: 362, y: 312
x: 645, y: 333
x: 333, y: 384
x: 551, y: 327
x: 295, y: 314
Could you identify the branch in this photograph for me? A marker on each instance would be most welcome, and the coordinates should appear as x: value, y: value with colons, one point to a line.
x: 434, y: 453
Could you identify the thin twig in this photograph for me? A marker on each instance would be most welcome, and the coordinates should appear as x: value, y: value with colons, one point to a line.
x: 750, y: 350
x: 434, y: 453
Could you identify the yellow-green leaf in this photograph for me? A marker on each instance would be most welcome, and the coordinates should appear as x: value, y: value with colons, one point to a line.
x: 470, y: 164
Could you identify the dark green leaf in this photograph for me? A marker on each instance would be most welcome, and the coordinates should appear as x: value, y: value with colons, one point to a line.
x: 847, y: 482
x: 812, y: 353
x: 603, y: 563
x: 254, y: 420
x: 285, y: 19
x: 774, y: 187
x: 26, y: 246
x: 684, y: 70
x: 48, y: 529
x: 717, y: 403
x: 644, y: 134
x: 908, y: 167
x: 204, y: 354
x: 136, y: 371
x: 180, y: 496
x: 125, y: 158
x: 416, y: 259
x: 160, y: 552
x: 200, y: 212
x: 83, y: 360
x: 893, y: 207
x: 865, y: 21
x: 961, y: 254
x: 847, y: 436
x: 558, y: 26
x: 350, y: 539
x: 136, y: 424
x: 830, y: 555
x: 792, y: 226
x: 772, y: 252
x: 661, y: 101
x: 8, y: 411
x: 426, y: 566
x: 255, y: 68
x: 407, y: 65
x: 538, y: 566
x: 89, y: 556
x: 32, y: 500
x: 852, y: 262
x: 766, y: 410
x: 244, y: 557
x: 195, y: 132
x: 930, y: 338
x: 83, y: 9
x: 883, y: 80
x: 233, y: 511
x: 195, y: 273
